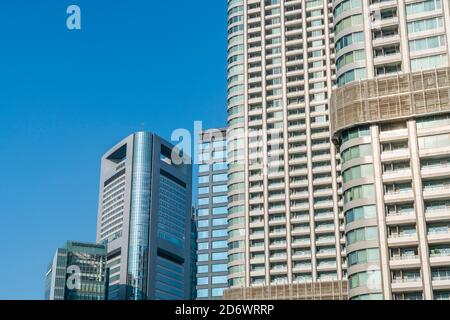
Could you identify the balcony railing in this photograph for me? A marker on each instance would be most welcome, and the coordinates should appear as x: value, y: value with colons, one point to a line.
x: 402, y: 235
x: 407, y: 280
x: 443, y: 253
x: 400, y: 214
x: 404, y: 257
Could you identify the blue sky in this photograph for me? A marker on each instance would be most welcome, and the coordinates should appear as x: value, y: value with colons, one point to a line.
x: 68, y: 96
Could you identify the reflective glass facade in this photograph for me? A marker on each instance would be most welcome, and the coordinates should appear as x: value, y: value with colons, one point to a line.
x: 77, y: 272
x: 140, y: 218
x: 145, y: 220
x: 212, y: 220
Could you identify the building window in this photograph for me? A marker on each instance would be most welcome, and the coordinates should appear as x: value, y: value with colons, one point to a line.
x: 220, y: 233
x: 217, y: 292
x: 360, y: 213
x: 220, y: 166
x: 355, y: 20
x: 358, y: 172
x: 219, y: 267
x: 359, y: 192
x: 220, y: 177
x: 220, y: 222
x: 429, y: 62
x: 203, y: 257
x: 203, y: 235
x: 364, y: 150
x: 202, y: 293
x: 221, y: 199
x: 203, y: 212
x: 437, y: 141
x: 203, y: 223
x: 219, y: 256
x: 203, y: 246
x: 219, y: 280
x: 222, y: 188
x: 220, y: 244
x: 362, y: 234
x: 425, y: 24
x: 424, y: 6
x: 371, y: 279
x: 354, y: 133
x: 220, y: 210
x: 364, y: 256
x: 203, y: 201
x: 202, y: 269
x: 203, y: 190
x: 202, y: 281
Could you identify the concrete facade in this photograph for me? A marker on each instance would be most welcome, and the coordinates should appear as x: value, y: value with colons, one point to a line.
x: 394, y: 146
x: 283, y: 173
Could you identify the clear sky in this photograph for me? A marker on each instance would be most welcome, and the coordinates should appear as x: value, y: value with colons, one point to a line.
x: 66, y: 97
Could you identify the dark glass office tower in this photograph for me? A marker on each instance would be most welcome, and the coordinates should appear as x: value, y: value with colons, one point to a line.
x: 77, y: 272
x: 145, y: 219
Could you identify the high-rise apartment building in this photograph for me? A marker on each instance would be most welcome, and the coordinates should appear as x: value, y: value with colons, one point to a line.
x: 77, y: 272
x: 284, y: 209
x: 391, y: 124
x: 212, y: 219
x: 144, y: 218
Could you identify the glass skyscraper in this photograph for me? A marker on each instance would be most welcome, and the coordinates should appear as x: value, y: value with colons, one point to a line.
x: 144, y: 219
x: 212, y: 223
x: 77, y: 272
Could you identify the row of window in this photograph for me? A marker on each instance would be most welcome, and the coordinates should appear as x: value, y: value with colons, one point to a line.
x: 203, y: 281
x: 215, y: 200
x: 214, y: 233
x: 215, y: 222
x: 215, y: 292
x: 214, y: 245
x: 218, y: 267
x: 215, y: 189
x: 213, y: 257
x: 213, y: 211
x: 215, y: 167
x: 215, y: 178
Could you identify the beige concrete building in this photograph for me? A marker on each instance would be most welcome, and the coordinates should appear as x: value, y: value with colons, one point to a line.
x: 383, y: 66
x: 391, y: 124
x: 285, y: 225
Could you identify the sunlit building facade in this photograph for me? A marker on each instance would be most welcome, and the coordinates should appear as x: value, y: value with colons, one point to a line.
x: 391, y: 125
x: 145, y: 219
x: 285, y: 221
x: 77, y: 272
x: 212, y: 216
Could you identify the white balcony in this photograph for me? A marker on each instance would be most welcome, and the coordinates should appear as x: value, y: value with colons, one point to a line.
x: 406, y: 284
x: 404, y: 261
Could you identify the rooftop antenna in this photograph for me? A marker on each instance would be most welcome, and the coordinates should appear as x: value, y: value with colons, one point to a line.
x: 142, y: 126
